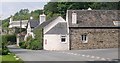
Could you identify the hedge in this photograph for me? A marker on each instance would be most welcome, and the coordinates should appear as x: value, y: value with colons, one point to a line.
x: 9, y: 38
x: 4, y: 50
x: 39, y: 36
x: 32, y: 44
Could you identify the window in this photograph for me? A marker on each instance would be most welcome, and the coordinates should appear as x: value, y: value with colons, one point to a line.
x: 63, y: 39
x: 84, y: 38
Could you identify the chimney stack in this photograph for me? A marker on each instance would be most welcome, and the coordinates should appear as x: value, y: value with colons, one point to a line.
x: 74, y: 18
x: 42, y: 18
x: 11, y: 19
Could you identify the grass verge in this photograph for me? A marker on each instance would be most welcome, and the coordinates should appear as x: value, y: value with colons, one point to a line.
x: 10, y: 59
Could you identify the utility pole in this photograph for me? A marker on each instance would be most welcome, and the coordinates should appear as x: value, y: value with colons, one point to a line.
x: 20, y: 28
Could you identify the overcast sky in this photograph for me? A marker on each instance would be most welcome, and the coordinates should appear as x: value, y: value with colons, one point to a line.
x: 10, y: 7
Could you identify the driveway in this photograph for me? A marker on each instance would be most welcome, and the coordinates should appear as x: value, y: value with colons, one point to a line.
x: 71, y: 55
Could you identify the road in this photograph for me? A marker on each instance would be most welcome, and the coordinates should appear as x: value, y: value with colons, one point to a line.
x: 71, y: 55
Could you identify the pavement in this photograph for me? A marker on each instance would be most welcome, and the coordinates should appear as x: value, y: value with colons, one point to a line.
x: 70, y: 55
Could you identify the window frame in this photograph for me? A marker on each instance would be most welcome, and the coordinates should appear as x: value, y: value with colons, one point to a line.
x: 84, y: 38
x: 63, y: 37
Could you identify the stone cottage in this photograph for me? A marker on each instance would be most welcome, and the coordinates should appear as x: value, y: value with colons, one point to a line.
x: 82, y: 29
x: 93, y: 29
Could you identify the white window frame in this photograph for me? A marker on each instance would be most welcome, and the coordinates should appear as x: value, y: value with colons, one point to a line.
x: 84, y: 38
x: 63, y: 37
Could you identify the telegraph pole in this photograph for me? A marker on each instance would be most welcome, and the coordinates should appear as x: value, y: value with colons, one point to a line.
x: 20, y: 28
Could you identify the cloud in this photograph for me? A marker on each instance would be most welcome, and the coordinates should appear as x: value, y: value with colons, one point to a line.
x: 25, y: 0
x: 10, y: 8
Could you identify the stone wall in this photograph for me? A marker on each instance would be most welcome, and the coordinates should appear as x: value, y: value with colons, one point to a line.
x: 97, y: 38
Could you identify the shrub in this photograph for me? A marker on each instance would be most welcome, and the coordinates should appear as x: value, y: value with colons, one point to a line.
x: 4, y: 49
x: 9, y: 38
x: 39, y: 36
x: 35, y: 45
x: 22, y: 44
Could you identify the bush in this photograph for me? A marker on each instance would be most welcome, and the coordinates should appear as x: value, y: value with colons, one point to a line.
x: 22, y: 44
x: 35, y: 45
x: 9, y: 38
x: 5, y: 50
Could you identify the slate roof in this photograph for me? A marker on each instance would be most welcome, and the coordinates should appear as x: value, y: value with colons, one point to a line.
x: 46, y: 22
x: 94, y: 18
x: 60, y: 28
x: 34, y: 23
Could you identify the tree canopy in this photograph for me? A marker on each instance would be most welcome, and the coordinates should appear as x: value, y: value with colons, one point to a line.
x: 59, y: 8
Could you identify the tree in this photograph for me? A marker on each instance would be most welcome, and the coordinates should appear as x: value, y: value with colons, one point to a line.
x: 35, y: 14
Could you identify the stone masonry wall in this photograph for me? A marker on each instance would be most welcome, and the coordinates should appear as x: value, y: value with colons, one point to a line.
x: 97, y: 38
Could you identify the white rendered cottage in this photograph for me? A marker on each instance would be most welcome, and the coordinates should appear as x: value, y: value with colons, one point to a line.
x: 33, y: 24
x: 55, y: 34
x: 29, y: 25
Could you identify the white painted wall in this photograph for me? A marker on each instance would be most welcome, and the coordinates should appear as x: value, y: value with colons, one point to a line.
x: 53, y: 23
x: 17, y: 24
x: 53, y: 42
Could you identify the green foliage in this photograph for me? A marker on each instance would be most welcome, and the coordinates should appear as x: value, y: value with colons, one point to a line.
x: 61, y: 7
x: 35, y: 45
x: 5, y: 50
x: 5, y: 24
x: 38, y: 34
x: 5, y: 40
x: 35, y: 14
x: 8, y: 38
x: 23, y: 14
x: 22, y: 45
x: 29, y: 38
x: 10, y: 59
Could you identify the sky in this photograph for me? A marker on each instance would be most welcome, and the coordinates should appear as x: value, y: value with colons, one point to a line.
x: 10, y: 7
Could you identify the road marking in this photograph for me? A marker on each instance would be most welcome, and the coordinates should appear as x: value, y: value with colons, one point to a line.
x: 75, y: 54
x: 83, y: 55
x: 68, y: 53
x: 72, y: 53
x: 103, y: 59
x: 92, y: 56
x: 98, y: 57
x: 88, y: 56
